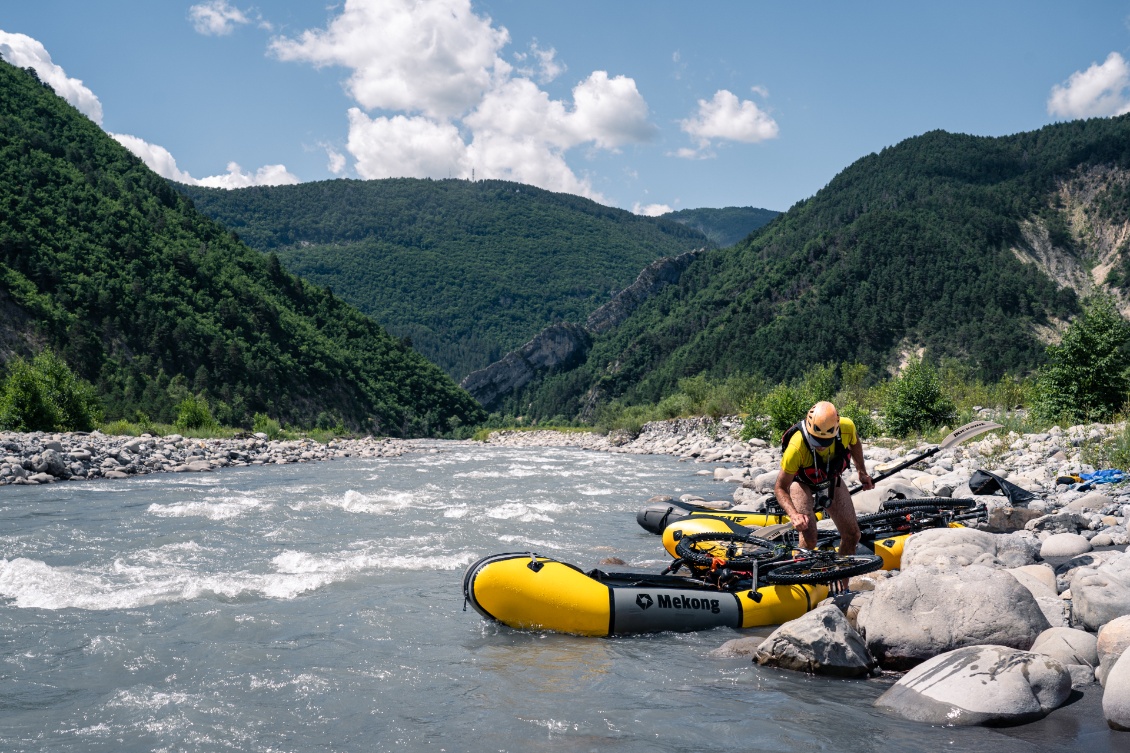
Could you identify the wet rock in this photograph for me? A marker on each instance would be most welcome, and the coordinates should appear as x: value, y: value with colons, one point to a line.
x: 821, y: 642
x: 980, y: 685
x: 738, y: 647
x: 927, y: 611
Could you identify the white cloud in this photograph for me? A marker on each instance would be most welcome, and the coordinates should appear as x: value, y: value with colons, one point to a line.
x: 610, y: 111
x: 158, y: 158
x: 161, y: 161
x: 336, y: 164
x: 1099, y: 91
x: 216, y: 18
x: 402, y: 147
x: 650, y: 210
x: 452, y: 104
x: 268, y: 175
x: 726, y: 118
x: 435, y: 57
x: 24, y: 52
x: 547, y: 66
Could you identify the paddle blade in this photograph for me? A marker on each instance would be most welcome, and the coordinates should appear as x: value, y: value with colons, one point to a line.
x: 971, y: 429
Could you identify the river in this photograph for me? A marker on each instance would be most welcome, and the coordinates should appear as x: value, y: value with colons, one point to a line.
x: 317, y: 607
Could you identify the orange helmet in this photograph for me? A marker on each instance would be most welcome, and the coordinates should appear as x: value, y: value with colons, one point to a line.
x: 822, y: 424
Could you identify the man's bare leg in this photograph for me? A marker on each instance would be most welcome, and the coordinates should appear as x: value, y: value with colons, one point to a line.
x: 802, y: 501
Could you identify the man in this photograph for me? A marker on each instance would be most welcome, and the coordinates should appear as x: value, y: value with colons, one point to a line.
x: 814, y: 456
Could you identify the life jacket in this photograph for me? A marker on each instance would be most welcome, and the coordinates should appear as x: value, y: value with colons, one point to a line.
x: 816, y: 477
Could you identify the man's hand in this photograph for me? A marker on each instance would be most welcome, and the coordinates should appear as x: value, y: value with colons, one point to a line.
x: 865, y: 479
x: 800, y: 521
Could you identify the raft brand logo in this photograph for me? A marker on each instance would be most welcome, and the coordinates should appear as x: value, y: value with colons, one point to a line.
x: 643, y: 601
x: 686, y: 602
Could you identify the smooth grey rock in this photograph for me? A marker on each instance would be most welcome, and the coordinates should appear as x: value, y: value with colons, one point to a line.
x: 1090, y: 502
x: 967, y: 546
x: 1068, y: 646
x: 42, y: 478
x: 1112, y: 641
x: 1064, y: 571
x: 980, y: 685
x: 927, y: 611
x: 821, y: 642
x: 1101, y: 594
x: 1064, y: 545
x: 1116, y: 695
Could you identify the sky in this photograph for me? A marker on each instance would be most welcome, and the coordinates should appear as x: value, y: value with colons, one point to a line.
x: 645, y: 105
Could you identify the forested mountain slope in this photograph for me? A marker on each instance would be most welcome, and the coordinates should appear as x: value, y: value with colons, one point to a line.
x: 725, y: 226
x: 467, y: 270
x: 102, y: 261
x: 959, y: 246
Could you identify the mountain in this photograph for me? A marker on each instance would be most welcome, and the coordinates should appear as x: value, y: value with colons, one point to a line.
x: 466, y: 270
x: 726, y: 226
x: 102, y: 261
x: 954, y: 246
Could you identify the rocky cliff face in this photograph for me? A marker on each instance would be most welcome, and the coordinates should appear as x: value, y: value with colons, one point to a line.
x: 562, y: 346
x: 557, y: 346
x: 651, y: 280
x: 1097, y: 239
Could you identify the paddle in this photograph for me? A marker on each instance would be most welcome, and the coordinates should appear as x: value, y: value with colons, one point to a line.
x: 957, y: 436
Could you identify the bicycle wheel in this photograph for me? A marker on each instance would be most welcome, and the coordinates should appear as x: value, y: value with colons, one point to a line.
x: 927, y: 503
x: 738, y: 550
x: 823, y: 569
x: 887, y: 516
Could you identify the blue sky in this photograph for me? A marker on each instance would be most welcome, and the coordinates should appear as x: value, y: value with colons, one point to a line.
x: 644, y: 105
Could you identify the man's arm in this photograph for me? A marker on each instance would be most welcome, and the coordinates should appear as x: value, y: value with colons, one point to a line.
x: 856, y: 451
x: 799, y: 520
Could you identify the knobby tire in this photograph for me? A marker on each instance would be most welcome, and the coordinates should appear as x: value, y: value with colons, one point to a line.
x: 823, y: 569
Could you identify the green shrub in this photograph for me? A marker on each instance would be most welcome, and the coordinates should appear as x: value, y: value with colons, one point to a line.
x: 193, y: 413
x: 914, y: 400
x: 266, y: 425
x: 865, y: 425
x: 1086, y: 376
x: 45, y: 395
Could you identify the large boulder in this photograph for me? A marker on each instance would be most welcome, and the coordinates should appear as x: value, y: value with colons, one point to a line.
x: 1112, y: 641
x: 1101, y: 594
x: 1074, y: 649
x: 991, y: 685
x: 1116, y: 695
x: 1060, y: 522
x: 927, y: 611
x: 947, y: 547
x: 821, y: 642
x: 1065, y: 570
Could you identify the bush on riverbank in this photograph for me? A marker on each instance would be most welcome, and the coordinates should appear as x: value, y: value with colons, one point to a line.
x: 45, y: 395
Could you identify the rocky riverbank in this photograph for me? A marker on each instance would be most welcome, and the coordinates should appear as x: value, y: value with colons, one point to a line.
x: 993, y: 626
x: 39, y: 458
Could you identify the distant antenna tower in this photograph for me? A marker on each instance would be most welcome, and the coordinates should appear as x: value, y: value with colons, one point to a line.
x: 472, y: 175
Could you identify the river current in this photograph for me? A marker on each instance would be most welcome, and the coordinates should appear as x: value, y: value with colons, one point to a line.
x: 318, y: 607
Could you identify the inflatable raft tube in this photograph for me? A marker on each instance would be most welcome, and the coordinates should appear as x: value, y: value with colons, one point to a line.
x: 658, y: 515
x: 531, y: 592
